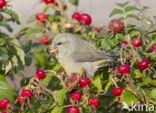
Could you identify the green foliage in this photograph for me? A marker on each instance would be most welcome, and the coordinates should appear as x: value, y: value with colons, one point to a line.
x: 6, y: 91
x: 74, y: 2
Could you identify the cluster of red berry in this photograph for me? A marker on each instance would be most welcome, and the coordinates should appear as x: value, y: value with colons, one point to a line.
x: 76, y: 96
x: 83, y: 18
x: 117, y: 26
x: 27, y: 93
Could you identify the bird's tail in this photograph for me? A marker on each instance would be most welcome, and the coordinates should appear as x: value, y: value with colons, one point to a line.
x: 111, y: 61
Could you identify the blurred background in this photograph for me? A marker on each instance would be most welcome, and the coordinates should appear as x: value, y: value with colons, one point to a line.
x: 98, y: 9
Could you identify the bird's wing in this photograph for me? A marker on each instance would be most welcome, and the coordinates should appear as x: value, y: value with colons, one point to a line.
x: 87, y: 52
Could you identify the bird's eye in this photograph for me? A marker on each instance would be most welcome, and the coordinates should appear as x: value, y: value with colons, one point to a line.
x: 59, y: 43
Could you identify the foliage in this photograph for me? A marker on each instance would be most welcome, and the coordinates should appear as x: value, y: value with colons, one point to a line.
x: 53, y: 93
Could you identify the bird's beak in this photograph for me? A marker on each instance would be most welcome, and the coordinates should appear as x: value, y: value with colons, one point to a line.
x: 53, y: 50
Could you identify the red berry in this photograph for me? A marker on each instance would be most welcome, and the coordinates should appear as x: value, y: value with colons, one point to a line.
x: 116, y: 25
x: 45, y: 40
x: 136, y: 42
x: 85, y: 18
x: 84, y: 82
x: 49, y: 1
x: 72, y: 109
x: 76, y: 16
x: 20, y: 99
x: 76, y: 96
x: 117, y: 91
x: 41, y: 16
x: 88, y: 81
x: 4, y: 112
x: 27, y: 93
x: 6, y: 100
x: 123, y: 43
x: 124, y: 69
x: 143, y: 64
x: 96, y: 28
x: 74, y: 77
x: 2, y: 3
x: 153, y: 47
x: 94, y: 102
x: 40, y: 74
x: 4, y: 103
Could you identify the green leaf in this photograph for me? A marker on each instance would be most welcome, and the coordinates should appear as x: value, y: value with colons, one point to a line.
x: 121, y: 18
x: 47, y: 79
x: 108, y: 85
x: 2, y: 78
x: 130, y: 8
x: 61, y: 95
x: 28, y: 60
x: 122, y: 4
x: 19, y: 49
x: 57, y: 110
x: 147, y: 79
x: 128, y: 97
x: 137, y: 73
x: 2, y: 41
x: 115, y: 11
x: 97, y: 82
x: 153, y: 93
x: 13, y: 15
x: 6, y: 91
x: 74, y: 2
x: 31, y: 19
x: 6, y: 25
x: 132, y: 16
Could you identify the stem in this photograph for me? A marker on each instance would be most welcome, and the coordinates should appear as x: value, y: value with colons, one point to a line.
x: 114, y: 82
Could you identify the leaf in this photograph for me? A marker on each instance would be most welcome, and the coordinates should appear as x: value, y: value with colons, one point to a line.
x: 115, y: 11
x: 74, y: 2
x: 57, y: 110
x: 147, y: 80
x: 13, y: 15
x: 97, y: 82
x: 7, y: 26
x: 128, y: 97
x: 28, y: 60
x: 19, y: 50
x: 2, y: 78
x: 137, y: 73
x: 47, y: 80
x: 132, y: 16
x: 153, y: 93
x: 2, y: 41
x: 8, y: 67
x: 61, y: 95
x: 130, y: 8
x: 122, y: 4
x: 108, y: 85
x: 6, y: 91
x: 31, y: 19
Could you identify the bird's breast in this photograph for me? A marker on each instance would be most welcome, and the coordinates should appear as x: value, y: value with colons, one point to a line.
x: 70, y: 66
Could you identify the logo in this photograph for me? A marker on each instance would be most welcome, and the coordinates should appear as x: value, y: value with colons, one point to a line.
x: 138, y: 107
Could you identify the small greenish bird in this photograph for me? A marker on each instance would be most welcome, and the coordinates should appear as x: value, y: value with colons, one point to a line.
x: 75, y: 54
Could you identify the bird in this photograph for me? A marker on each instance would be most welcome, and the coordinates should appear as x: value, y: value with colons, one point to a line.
x: 75, y: 54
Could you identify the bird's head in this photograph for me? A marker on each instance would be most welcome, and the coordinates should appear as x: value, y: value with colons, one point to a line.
x: 62, y: 44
